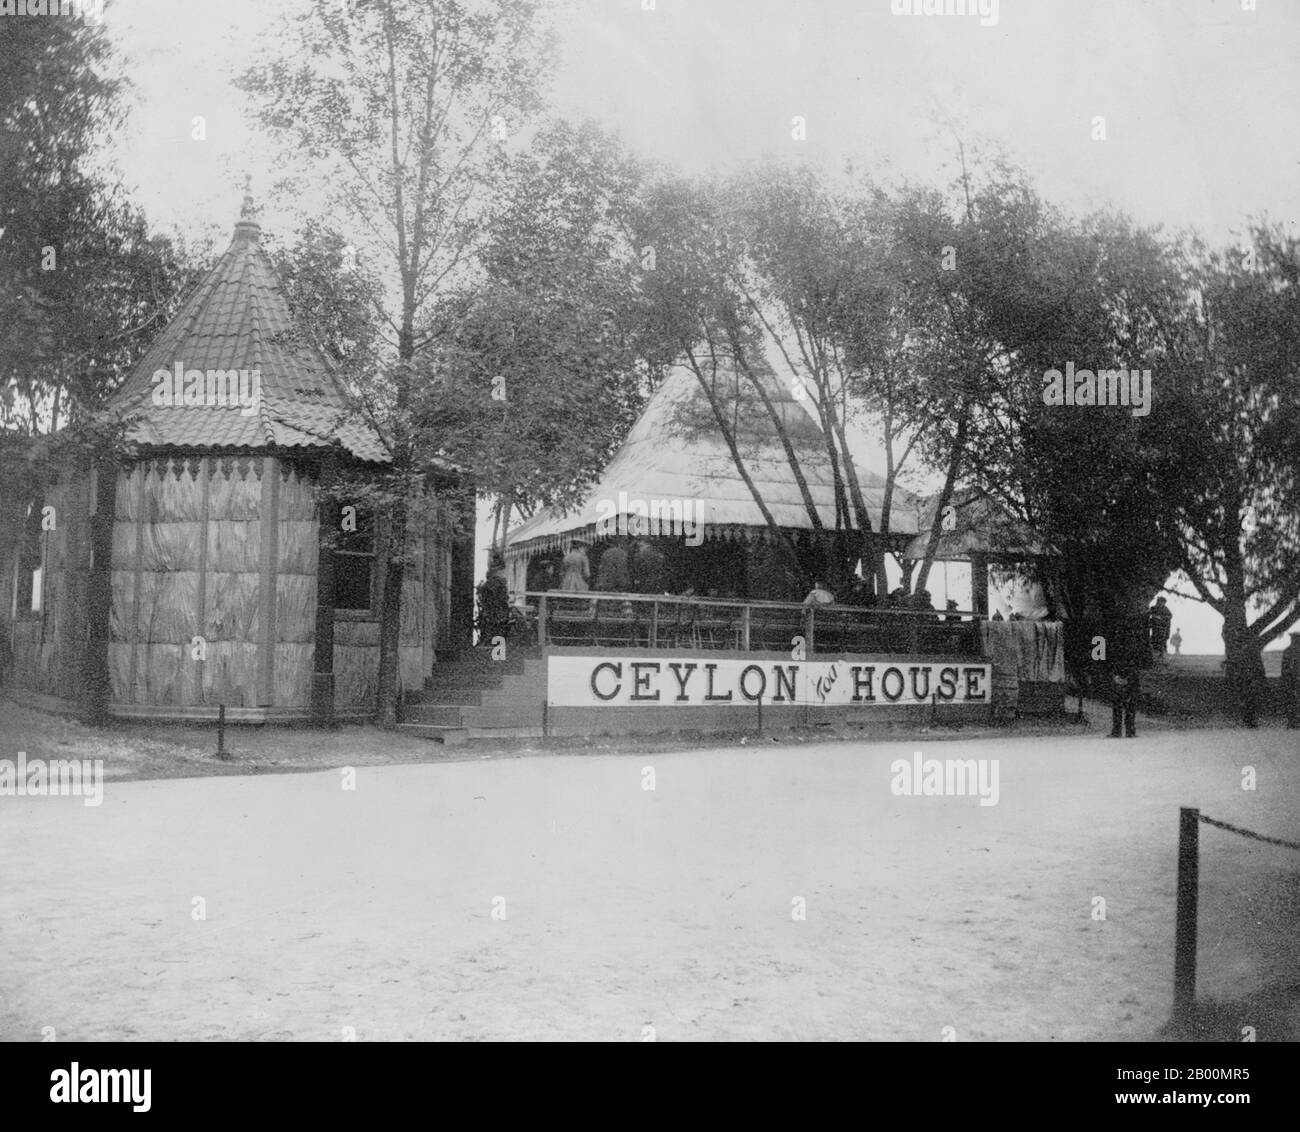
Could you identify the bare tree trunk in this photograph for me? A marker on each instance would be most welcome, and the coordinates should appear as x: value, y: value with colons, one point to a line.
x: 497, y: 540
x: 388, y: 692
x: 949, y: 482
x: 507, y: 506
x: 796, y: 469
x: 390, y: 617
x: 1244, y: 665
x: 778, y: 535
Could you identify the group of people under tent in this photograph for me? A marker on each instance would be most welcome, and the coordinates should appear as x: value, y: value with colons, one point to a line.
x: 639, y: 567
x: 861, y: 595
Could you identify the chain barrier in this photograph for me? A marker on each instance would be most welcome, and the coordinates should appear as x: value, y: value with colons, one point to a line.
x: 1249, y: 833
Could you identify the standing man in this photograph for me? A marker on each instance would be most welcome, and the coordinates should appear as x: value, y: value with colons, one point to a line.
x: 1158, y: 621
x: 648, y: 568
x: 1125, y: 682
x: 493, y: 618
x: 612, y: 574
x: 1291, y: 682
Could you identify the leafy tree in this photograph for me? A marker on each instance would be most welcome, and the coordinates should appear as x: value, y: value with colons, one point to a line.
x: 403, y: 112
x: 539, y: 365
x: 335, y: 300
x: 815, y: 278
x: 1235, y: 390
x: 713, y: 307
x: 83, y: 286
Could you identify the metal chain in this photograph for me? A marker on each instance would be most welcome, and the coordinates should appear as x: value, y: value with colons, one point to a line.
x: 1249, y: 833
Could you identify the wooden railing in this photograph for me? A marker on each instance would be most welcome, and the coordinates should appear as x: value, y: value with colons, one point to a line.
x: 640, y: 621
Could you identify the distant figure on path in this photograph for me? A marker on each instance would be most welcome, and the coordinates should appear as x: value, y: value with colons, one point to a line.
x: 1177, y: 641
x: 1291, y: 682
x: 575, y: 570
x: 1158, y: 622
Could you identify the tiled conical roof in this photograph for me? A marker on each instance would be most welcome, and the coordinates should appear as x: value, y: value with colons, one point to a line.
x: 238, y: 319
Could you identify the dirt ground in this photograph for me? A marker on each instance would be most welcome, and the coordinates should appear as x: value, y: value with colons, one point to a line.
x: 467, y: 895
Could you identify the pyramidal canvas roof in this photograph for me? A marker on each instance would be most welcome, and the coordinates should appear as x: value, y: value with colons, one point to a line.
x: 238, y: 319
x: 676, y: 451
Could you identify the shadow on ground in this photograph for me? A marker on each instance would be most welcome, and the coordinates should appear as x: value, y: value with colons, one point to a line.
x: 1272, y: 1013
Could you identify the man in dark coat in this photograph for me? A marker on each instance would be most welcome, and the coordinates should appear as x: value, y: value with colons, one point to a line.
x: 1159, y: 620
x: 1291, y: 682
x: 493, y: 604
x: 1125, y: 657
x: 648, y: 568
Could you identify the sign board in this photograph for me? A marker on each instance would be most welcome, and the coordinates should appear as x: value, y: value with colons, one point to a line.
x: 668, y: 681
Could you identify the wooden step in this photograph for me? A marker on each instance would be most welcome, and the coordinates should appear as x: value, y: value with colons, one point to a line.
x: 468, y: 677
x: 443, y: 715
x: 505, y: 691
x: 494, y: 717
x: 439, y: 697
x: 485, y: 659
x: 449, y: 736
x: 453, y: 736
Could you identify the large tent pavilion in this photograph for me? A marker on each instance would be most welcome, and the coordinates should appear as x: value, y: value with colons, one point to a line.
x: 720, y: 636
x: 711, y: 638
x: 676, y: 462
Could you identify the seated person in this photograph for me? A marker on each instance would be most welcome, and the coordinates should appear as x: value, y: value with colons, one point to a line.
x: 819, y: 595
x: 862, y: 595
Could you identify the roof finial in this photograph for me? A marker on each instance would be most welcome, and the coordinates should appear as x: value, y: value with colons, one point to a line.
x: 247, y: 228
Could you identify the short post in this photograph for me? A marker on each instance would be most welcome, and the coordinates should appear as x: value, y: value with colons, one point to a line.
x: 541, y: 621
x: 1189, y: 823
x: 221, y: 731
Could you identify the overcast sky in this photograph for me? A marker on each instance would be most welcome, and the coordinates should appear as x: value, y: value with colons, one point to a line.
x: 1199, y: 97
x: 1200, y: 100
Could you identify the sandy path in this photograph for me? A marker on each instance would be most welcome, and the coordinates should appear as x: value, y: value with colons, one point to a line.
x: 372, y: 908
